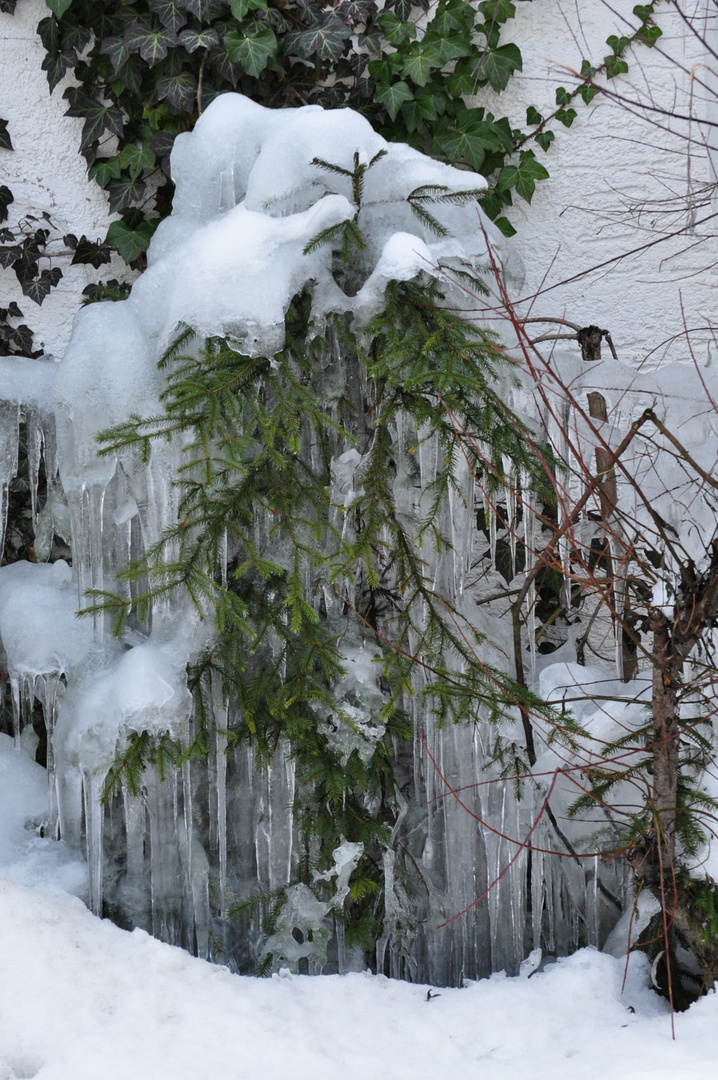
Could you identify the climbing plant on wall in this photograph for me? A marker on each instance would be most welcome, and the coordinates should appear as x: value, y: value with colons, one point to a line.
x: 145, y: 69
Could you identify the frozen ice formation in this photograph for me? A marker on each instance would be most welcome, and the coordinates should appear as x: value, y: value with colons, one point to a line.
x: 253, y: 191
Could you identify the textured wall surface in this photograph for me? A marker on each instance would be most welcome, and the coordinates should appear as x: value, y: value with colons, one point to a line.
x: 623, y: 177
x: 46, y: 173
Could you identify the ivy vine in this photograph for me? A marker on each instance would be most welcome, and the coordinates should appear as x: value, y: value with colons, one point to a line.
x: 145, y: 69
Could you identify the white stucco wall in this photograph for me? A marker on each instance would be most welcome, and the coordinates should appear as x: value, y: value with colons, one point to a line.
x: 621, y: 176
x: 45, y: 172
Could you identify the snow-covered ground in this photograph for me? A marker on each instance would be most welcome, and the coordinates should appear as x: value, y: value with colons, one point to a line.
x: 82, y: 1000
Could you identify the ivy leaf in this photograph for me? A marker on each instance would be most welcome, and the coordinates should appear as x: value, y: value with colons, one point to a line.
x: 131, y: 242
x: 498, y: 65
x: 449, y: 46
x: 161, y: 145
x: 523, y: 176
x: 649, y: 35
x: 468, y: 136
x: 401, y: 8
x: 419, y: 66
x: 99, y: 119
x: 152, y: 45
x: 94, y: 253
x: 170, y: 14
x: 643, y: 11
x: 5, y: 140
x: 7, y: 7
x: 180, y: 90
x: 49, y: 31
x: 325, y: 37
x: 395, y: 30
x: 588, y: 93
x: 39, y: 288
x: 13, y: 310
x: 505, y: 226
x: 56, y: 64
x: 566, y: 116
x: 419, y: 109
x: 240, y: 8
x: 614, y: 66
x: 137, y: 158
x: 562, y: 96
x: 533, y: 116
x: 76, y: 37
x: 21, y: 338
x: 393, y: 97
x: 58, y: 9
x: 117, y: 50
x: 253, y: 49
x: 129, y: 76
x: 497, y: 11
x: 6, y: 197
x: 199, y: 39
x: 618, y: 44
x: 544, y: 139
x: 124, y: 192
x: 203, y: 9
x: 104, y: 170
x: 9, y: 256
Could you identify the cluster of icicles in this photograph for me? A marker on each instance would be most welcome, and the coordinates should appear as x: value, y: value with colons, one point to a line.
x: 176, y: 857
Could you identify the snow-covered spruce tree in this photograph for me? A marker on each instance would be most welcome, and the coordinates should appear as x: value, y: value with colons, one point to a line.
x: 312, y: 428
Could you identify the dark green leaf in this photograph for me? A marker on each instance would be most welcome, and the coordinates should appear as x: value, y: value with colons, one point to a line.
x: 38, y: 289
x: 117, y: 50
x: 161, y: 144
x: 130, y: 242
x: 643, y: 11
x: 5, y: 140
x: 137, y: 158
x: 393, y: 97
x: 649, y: 35
x: 325, y: 37
x: 618, y: 44
x: 76, y: 37
x: 199, y: 39
x: 588, y: 93
x: 94, y: 253
x: 587, y: 72
x: 7, y: 7
x: 498, y: 65
x: 544, y: 139
x: 450, y: 47
x: 566, y: 116
x: 497, y: 11
x: 49, y: 31
x: 21, y: 338
x: 100, y: 119
x: 58, y: 7
x: 396, y: 31
x: 152, y: 45
x: 104, y: 170
x: 180, y: 90
x: 9, y: 256
x: 533, y: 116
x: 129, y: 75
x: 56, y: 64
x: 614, y: 66
x: 203, y: 9
x: 14, y: 311
x: 6, y: 197
x: 562, y: 96
x: 253, y: 49
x: 505, y: 226
x: 419, y: 65
x: 401, y: 8
x: 170, y: 14
x: 124, y: 192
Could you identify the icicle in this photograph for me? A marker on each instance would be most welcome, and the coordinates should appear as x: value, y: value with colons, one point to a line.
x: 511, y: 506
x: 92, y: 785
x: 33, y: 434
x: 9, y: 448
